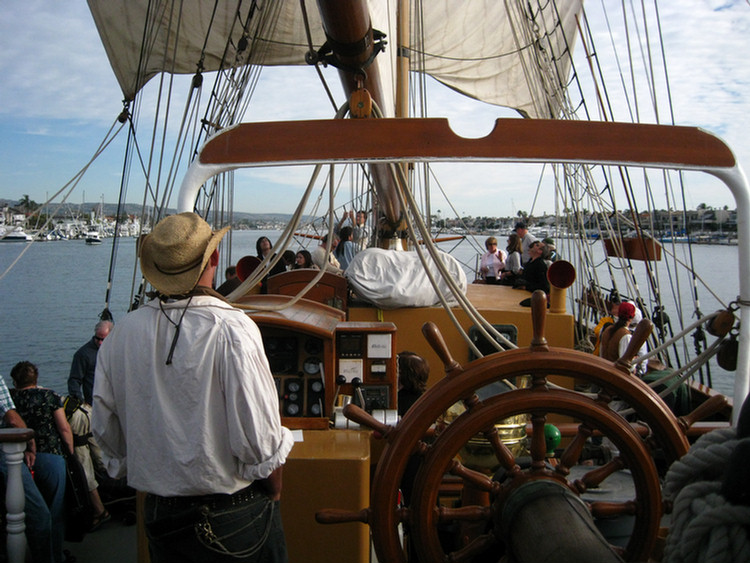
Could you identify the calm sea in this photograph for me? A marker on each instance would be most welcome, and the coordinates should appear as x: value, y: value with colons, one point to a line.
x: 52, y: 296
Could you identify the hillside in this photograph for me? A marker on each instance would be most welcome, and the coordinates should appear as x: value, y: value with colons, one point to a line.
x: 110, y: 209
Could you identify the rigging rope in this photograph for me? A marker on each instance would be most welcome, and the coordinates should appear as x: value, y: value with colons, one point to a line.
x: 234, y: 81
x: 269, y: 261
x: 311, y: 51
x: 70, y: 185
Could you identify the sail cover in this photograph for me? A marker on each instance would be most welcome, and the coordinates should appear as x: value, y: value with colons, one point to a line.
x: 390, y: 280
x: 486, y: 49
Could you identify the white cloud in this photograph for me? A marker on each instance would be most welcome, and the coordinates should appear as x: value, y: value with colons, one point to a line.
x: 53, y: 64
x: 58, y: 85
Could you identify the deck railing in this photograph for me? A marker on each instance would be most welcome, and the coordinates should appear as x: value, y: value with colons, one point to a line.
x: 13, y: 445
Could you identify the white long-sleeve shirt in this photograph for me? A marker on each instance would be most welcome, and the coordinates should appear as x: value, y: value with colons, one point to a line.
x: 207, y: 423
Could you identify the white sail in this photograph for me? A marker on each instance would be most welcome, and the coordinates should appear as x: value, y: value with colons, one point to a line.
x: 477, y: 47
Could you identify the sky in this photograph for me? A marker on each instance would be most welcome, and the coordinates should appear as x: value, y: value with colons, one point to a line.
x: 58, y: 98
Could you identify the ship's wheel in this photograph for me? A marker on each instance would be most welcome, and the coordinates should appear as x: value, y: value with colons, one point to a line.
x: 658, y: 429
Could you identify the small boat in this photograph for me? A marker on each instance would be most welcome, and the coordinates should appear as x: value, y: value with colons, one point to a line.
x: 93, y: 237
x: 16, y: 235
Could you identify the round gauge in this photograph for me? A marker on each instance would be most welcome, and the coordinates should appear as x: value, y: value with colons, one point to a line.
x: 293, y: 396
x: 313, y: 345
x: 315, y: 409
x: 292, y: 409
x: 316, y: 386
x: 311, y: 365
x: 292, y: 387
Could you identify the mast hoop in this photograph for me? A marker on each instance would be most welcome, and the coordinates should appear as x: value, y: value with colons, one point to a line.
x: 331, y: 50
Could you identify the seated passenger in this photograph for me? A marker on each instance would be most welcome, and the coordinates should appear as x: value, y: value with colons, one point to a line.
x: 492, y: 261
x: 550, y: 252
x: 288, y: 258
x: 513, y: 267
x: 232, y: 281
x: 616, y: 337
x: 328, y: 262
x: 87, y: 452
x: 604, y: 322
x: 303, y: 260
x: 263, y: 248
x: 534, y: 271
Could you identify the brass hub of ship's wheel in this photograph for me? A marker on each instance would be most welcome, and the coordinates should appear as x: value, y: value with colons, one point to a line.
x: 658, y: 429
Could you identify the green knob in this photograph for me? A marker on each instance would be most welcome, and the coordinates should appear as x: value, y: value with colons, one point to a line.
x: 552, y: 438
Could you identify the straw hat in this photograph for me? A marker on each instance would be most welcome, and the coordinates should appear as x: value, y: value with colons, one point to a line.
x: 174, y: 255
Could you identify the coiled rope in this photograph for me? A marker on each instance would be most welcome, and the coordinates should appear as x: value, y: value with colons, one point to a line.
x: 706, y: 527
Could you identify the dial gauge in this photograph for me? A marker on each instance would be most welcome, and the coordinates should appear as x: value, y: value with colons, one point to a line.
x: 311, y: 365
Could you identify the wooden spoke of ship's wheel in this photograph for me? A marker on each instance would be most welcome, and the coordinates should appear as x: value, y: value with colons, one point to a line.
x: 539, y: 361
x: 646, y: 506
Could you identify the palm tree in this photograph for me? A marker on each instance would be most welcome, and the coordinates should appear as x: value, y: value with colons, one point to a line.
x: 27, y: 205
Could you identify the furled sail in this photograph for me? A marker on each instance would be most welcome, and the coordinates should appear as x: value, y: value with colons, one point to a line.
x: 390, y: 280
x: 482, y: 48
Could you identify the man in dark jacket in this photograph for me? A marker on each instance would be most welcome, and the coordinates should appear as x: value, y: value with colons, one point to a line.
x: 81, y: 378
x: 534, y: 274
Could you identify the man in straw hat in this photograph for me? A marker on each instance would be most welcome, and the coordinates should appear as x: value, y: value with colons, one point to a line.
x: 186, y: 407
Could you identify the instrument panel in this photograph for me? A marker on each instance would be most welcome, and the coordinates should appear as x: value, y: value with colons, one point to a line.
x: 313, y: 371
x: 296, y: 361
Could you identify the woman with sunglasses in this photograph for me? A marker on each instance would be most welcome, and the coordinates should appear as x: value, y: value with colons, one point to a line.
x: 492, y: 262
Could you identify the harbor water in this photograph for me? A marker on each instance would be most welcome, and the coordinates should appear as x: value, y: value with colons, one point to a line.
x: 52, y: 296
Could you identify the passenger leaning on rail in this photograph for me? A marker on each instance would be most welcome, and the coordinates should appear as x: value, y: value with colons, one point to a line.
x: 38, y: 513
x: 42, y: 411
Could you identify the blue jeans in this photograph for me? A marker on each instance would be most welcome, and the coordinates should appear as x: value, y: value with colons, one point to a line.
x: 45, y: 503
x: 250, y: 532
